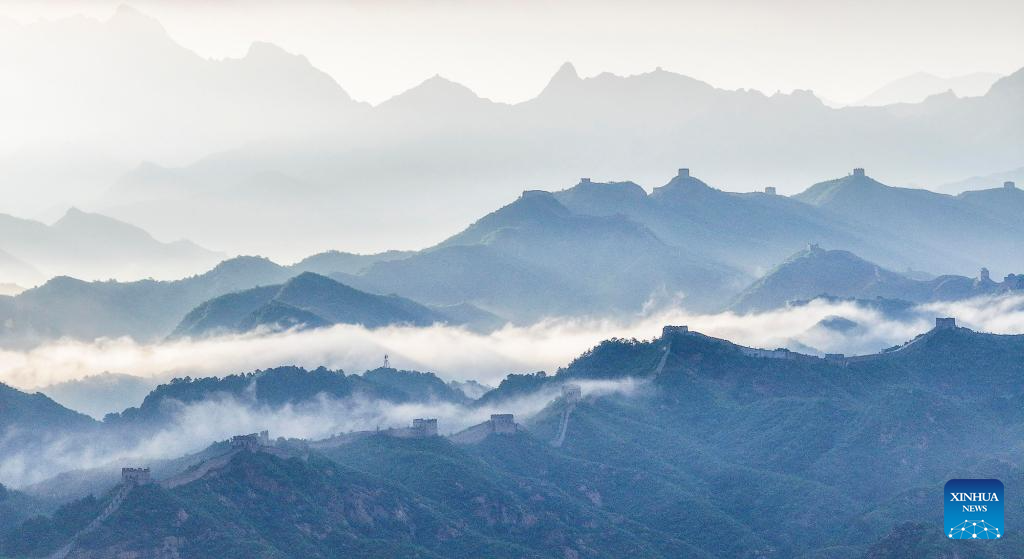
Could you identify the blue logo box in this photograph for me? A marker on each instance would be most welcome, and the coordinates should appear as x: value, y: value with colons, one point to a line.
x: 974, y: 509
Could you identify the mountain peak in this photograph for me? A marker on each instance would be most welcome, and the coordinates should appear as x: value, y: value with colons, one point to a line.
x: 565, y: 79
x: 129, y: 18
x: 261, y: 50
x: 435, y: 93
x: 127, y: 11
x: 828, y: 191
x: 566, y: 74
x: 311, y: 280
x: 532, y: 206
x: 441, y: 85
x: 603, y: 198
x: 242, y: 266
x: 76, y: 217
x: 73, y: 211
x: 1011, y: 85
x: 682, y: 184
x: 814, y: 272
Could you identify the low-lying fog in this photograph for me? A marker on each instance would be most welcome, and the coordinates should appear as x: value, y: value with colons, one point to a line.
x: 453, y: 353
x: 193, y: 427
x: 458, y: 354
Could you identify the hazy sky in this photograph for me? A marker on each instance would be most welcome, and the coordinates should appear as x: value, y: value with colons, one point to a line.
x: 507, y: 50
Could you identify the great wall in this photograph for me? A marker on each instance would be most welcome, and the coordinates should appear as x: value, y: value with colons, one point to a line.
x: 502, y: 424
x: 571, y: 395
x: 130, y: 478
x: 669, y: 332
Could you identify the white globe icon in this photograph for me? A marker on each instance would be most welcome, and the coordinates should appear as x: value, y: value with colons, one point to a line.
x: 974, y: 529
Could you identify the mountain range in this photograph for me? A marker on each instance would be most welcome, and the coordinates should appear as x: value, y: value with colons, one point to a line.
x: 991, y: 180
x: 145, y: 310
x: 281, y: 386
x: 915, y: 88
x: 79, y: 86
x: 307, y: 300
x: 550, y: 260
x: 938, y: 224
x: 594, y: 249
x: 39, y: 435
x: 91, y: 246
x: 721, y: 438
x: 815, y: 272
x: 578, y: 127
x: 271, y: 140
x: 97, y: 395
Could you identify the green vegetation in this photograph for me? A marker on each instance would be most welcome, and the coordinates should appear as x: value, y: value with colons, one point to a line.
x: 718, y: 454
x: 290, y: 385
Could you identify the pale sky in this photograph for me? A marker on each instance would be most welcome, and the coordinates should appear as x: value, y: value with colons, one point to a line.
x: 507, y: 50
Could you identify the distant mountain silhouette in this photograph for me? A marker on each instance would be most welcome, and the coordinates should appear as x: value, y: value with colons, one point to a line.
x: 291, y: 146
x: 333, y: 261
x: 149, y: 310
x: 307, y: 300
x: 1005, y: 203
x: 98, y: 395
x: 818, y: 272
x: 91, y: 246
x: 145, y: 310
x: 947, y: 229
x: 992, y: 180
x: 15, y: 271
x: 749, y: 231
x: 915, y: 88
x: 592, y: 249
x: 219, y: 96
x: 535, y: 257
x: 479, y: 275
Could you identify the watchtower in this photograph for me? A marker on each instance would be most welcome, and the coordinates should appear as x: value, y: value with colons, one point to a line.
x: 946, y: 323
x: 684, y: 173
x: 572, y: 393
x: 669, y: 330
x: 135, y: 476
x: 1009, y: 184
x: 503, y: 423
x: 585, y: 180
x: 858, y: 171
x: 251, y: 442
x: 984, y: 276
x: 770, y: 190
x: 425, y: 427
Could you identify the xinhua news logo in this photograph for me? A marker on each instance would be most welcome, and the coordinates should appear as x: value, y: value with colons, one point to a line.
x: 974, y: 509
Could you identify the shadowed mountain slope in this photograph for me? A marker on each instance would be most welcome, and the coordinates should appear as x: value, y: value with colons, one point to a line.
x: 307, y: 300
x: 535, y: 257
x: 145, y: 310
x: 749, y: 231
x: 816, y: 272
x: 673, y: 442
x: 946, y: 227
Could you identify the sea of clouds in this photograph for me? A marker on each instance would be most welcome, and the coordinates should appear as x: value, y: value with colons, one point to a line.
x: 455, y: 353
x: 192, y: 427
x: 451, y: 352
